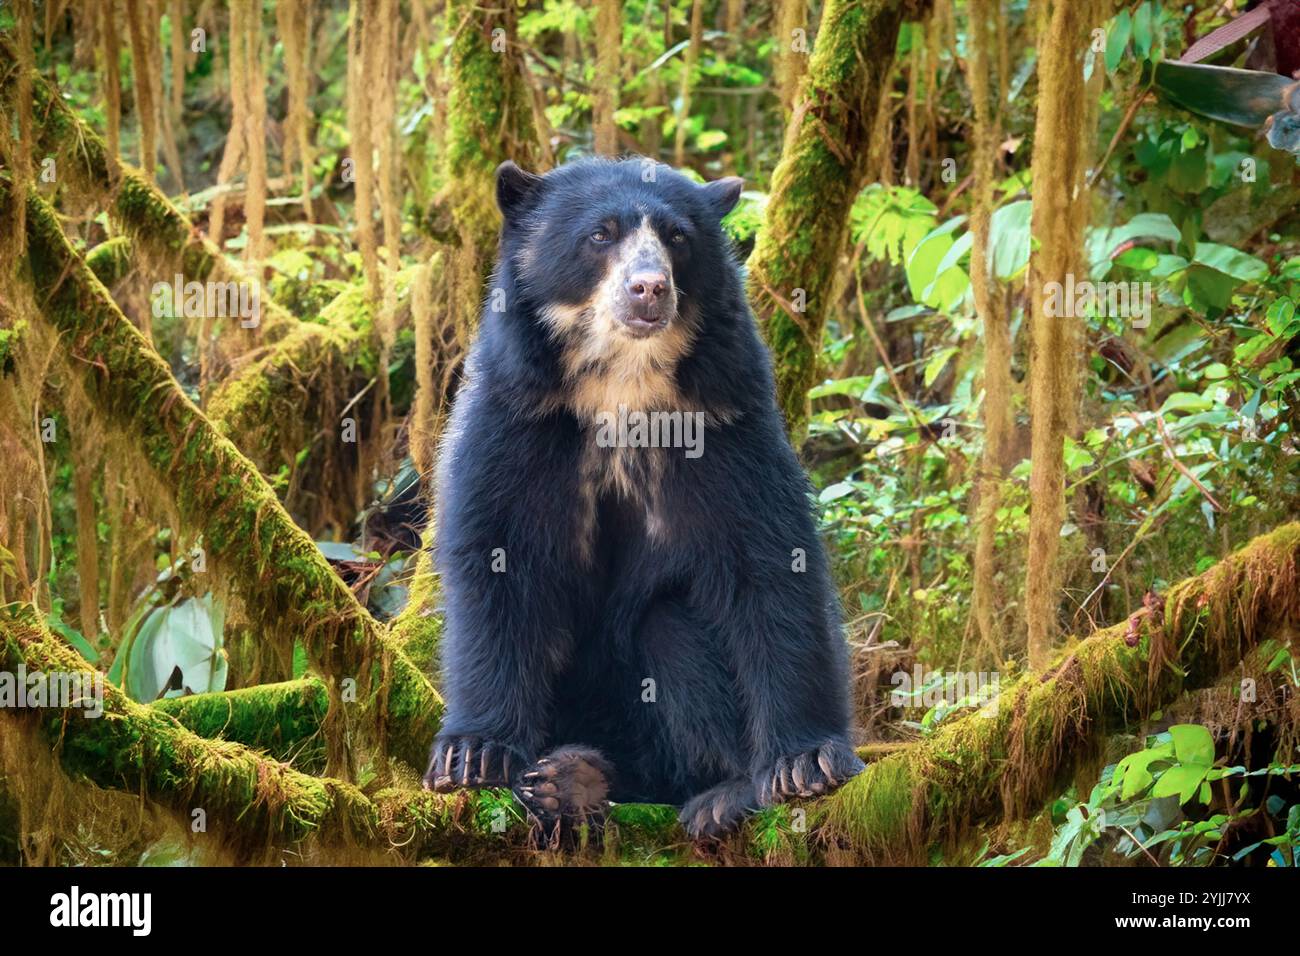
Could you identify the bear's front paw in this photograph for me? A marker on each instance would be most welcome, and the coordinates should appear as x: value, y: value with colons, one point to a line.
x: 470, y: 761
x: 808, y: 774
x: 717, y: 811
x: 564, y: 791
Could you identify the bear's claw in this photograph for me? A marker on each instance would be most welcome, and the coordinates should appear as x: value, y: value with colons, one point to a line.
x: 808, y: 774
x: 717, y: 811
x: 468, y: 761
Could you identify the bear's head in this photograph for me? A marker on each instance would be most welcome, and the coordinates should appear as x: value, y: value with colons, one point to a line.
x: 617, y: 259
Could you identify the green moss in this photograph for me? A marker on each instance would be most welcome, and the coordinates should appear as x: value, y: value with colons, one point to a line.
x: 9, y: 342
x: 110, y: 260
x: 283, y: 720
x: 250, y: 798
x: 161, y: 234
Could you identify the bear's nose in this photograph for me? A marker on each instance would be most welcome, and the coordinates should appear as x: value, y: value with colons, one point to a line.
x: 647, y: 287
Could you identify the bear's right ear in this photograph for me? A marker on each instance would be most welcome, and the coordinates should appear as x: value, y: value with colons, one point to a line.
x: 515, y: 189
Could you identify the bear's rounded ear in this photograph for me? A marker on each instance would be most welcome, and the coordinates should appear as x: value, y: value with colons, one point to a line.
x: 723, y: 194
x: 515, y: 189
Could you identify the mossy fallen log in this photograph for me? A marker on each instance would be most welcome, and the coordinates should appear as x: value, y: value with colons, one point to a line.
x: 999, y: 764
x: 257, y: 805
x: 286, y: 587
x: 1007, y: 761
x: 252, y: 798
x: 283, y: 720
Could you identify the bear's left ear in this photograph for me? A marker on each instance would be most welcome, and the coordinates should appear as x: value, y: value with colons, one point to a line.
x: 723, y: 194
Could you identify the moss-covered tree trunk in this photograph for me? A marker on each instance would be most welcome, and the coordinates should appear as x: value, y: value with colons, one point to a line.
x: 489, y: 120
x: 823, y: 167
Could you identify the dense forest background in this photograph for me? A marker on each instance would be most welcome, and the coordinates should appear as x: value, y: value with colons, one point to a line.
x: 244, y: 247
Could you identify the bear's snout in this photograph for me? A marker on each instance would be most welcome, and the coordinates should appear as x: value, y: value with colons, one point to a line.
x: 648, y: 295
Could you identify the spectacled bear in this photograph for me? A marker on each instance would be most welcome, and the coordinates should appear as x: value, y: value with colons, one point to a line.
x: 638, y: 606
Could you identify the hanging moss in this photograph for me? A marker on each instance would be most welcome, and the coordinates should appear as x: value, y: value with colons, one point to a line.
x: 1063, y: 132
x: 822, y: 168
x: 162, y: 236
x: 287, y: 589
x: 283, y: 410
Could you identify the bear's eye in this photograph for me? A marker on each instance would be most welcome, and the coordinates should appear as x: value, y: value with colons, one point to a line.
x: 600, y: 236
x: 677, y: 238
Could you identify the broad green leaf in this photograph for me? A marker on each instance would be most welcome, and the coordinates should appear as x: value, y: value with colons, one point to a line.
x: 1231, y: 262
x: 1138, y: 258
x: 1186, y: 402
x: 1181, y: 781
x: 1192, y: 744
x: 926, y: 283
x: 1142, y: 30
x: 1279, y: 316
x: 1009, y: 238
x: 836, y: 491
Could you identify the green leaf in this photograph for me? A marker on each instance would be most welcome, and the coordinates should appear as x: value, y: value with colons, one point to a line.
x: 1279, y: 316
x: 1142, y: 31
x: 1186, y: 402
x: 1182, y: 781
x: 926, y: 283
x: 1231, y: 262
x: 73, y: 637
x: 1192, y: 744
x: 1138, y: 258
x: 1117, y: 42
x: 937, y: 363
x: 710, y: 139
x: 1009, y: 238
x: 1208, y: 289
x: 836, y: 491
x: 1075, y: 456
